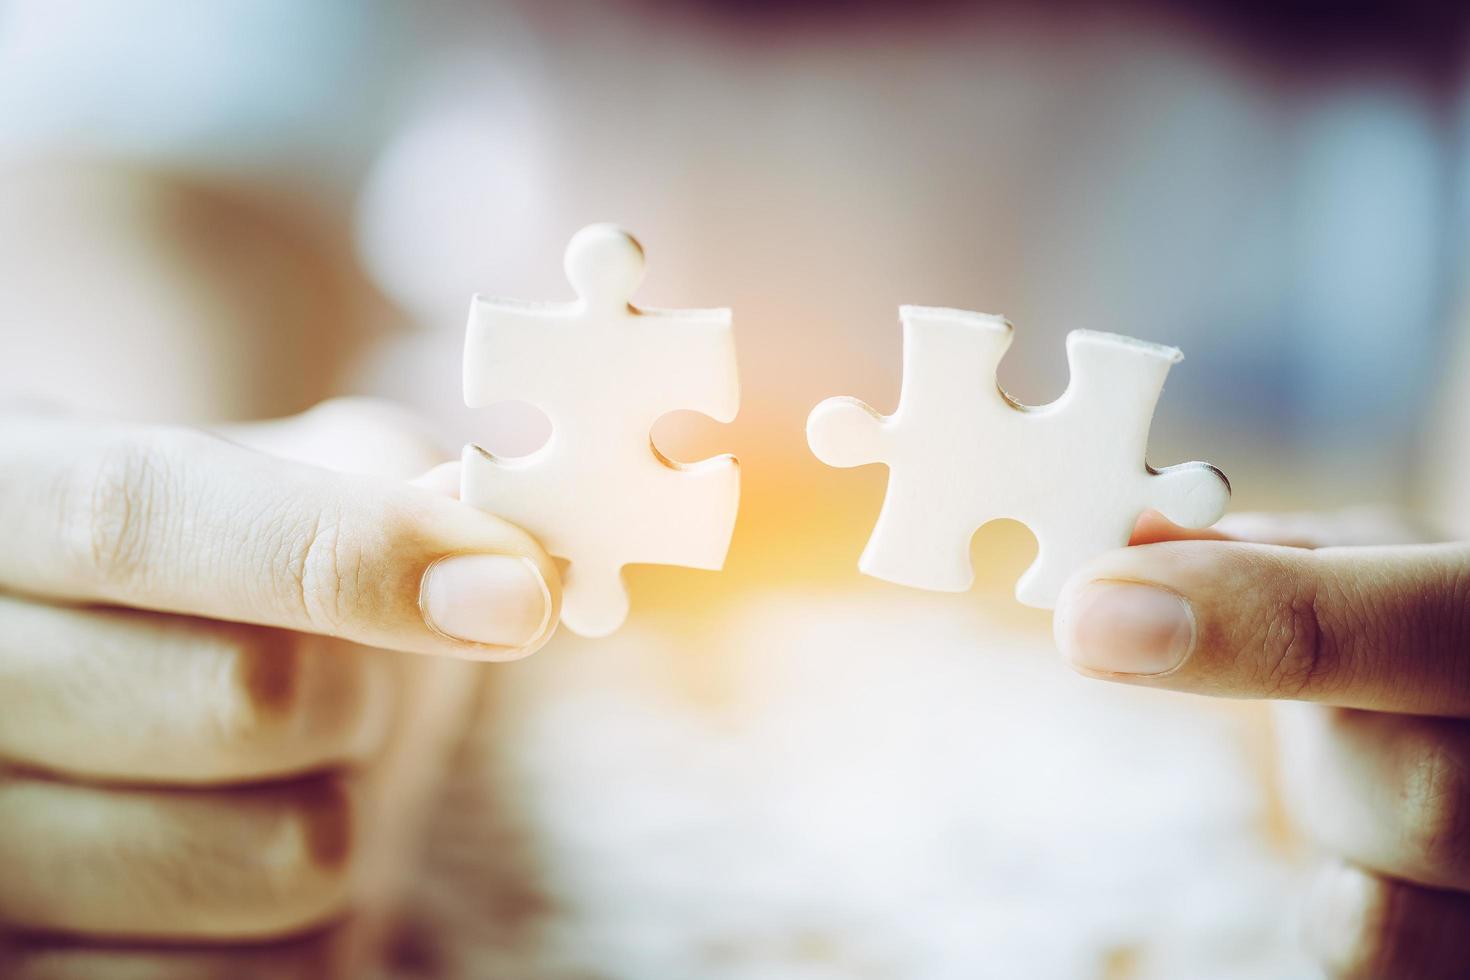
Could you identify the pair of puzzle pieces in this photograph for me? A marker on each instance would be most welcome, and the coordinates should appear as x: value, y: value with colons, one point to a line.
x: 960, y: 451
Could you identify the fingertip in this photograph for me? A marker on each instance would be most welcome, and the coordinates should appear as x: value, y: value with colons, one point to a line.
x: 445, y: 480
x: 1122, y: 628
x: 1141, y: 613
x: 491, y: 606
x: 487, y: 589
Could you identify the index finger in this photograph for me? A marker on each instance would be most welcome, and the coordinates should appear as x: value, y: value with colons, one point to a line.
x: 1380, y: 628
x: 175, y: 520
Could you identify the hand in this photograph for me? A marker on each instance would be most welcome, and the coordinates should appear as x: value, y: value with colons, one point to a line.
x: 1379, y: 768
x: 199, y: 744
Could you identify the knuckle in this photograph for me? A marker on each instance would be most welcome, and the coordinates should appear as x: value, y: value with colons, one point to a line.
x: 320, y: 572
x: 335, y: 574
x: 317, y: 830
x: 314, y: 564
x: 1301, y: 660
x: 293, y: 704
x: 117, y: 504
x: 309, y: 833
x: 1436, y: 824
x: 261, y: 676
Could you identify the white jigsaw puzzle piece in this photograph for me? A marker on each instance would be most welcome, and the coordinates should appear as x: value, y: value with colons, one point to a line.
x: 962, y: 453
x: 599, y: 493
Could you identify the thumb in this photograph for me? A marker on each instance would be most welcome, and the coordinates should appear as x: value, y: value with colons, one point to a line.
x: 1382, y: 628
x: 179, y: 521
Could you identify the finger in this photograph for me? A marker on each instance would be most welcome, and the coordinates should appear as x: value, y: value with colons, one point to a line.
x: 1363, y: 926
x: 1153, y: 527
x: 352, y: 435
x: 1379, y: 628
x: 183, y: 865
x: 1390, y: 792
x: 1349, y: 526
x: 179, y: 521
x: 313, y: 957
x: 442, y: 479
x: 117, y: 694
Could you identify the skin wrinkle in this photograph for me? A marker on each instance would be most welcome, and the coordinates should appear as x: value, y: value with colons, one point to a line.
x: 171, y: 495
x: 1299, y: 654
x: 295, y: 550
x: 344, y: 551
x: 318, y: 576
x: 377, y: 589
x: 356, y: 582
x: 1303, y: 662
x: 1330, y: 665
x: 118, y: 483
x: 281, y: 547
x: 293, y: 547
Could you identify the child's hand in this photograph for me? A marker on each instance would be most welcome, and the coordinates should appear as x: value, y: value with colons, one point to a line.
x: 194, y: 733
x: 1380, y: 769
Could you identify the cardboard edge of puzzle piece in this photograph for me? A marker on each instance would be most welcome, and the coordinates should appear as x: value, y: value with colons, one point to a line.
x: 1108, y: 371
x: 688, y: 364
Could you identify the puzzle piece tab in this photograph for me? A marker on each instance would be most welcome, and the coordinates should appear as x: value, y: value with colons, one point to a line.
x: 961, y: 453
x: 599, y: 494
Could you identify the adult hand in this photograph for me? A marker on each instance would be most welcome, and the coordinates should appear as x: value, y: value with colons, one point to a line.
x: 1378, y: 637
x: 193, y: 727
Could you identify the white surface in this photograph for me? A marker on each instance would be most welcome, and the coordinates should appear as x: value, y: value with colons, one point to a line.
x: 872, y: 785
x: 961, y: 453
x: 599, y: 494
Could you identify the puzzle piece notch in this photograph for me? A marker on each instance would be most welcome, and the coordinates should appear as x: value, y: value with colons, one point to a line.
x: 599, y: 494
x: 961, y: 453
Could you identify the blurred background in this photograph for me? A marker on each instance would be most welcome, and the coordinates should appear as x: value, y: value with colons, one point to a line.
x: 235, y: 209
